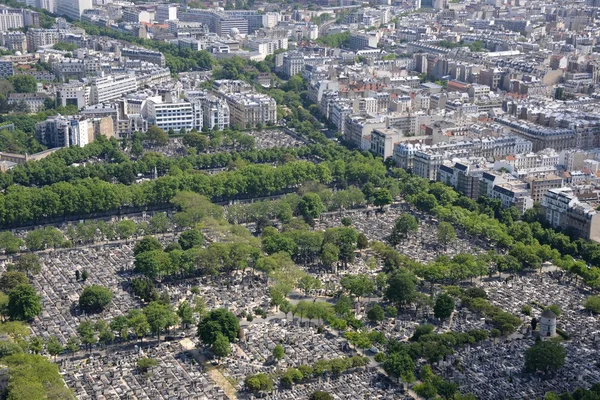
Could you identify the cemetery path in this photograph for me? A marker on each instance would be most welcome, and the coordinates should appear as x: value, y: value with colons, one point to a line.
x: 216, y: 375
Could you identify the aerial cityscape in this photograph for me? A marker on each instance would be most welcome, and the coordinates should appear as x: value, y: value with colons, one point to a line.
x: 299, y: 200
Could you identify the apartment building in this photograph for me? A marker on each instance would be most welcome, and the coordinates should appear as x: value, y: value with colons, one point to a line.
x: 426, y: 164
x: 60, y: 131
x: 6, y: 69
x: 358, y: 127
x: 215, y: 112
x: 293, y: 63
x: 382, y: 141
x: 76, y: 94
x: 539, y: 186
x: 151, y: 56
x: 34, y: 101
x: 217, y: 21
x: 11, y: 18
x: 14, y: 41
x: 562, y: 209
x: 171, y: 115
x: 73, y: 8
x: 250, y: 109
x: 38, y: 38
x: 111, y: 87
x: 513, y: 195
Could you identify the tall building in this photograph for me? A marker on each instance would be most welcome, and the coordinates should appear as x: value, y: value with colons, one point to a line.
x: 11, y: 18
x: 562, y: 208
x: 217, y: 21
x: 14, y: 41
x: 61, y: 131
x: 165, y: 12
x: 293, y: 63
x: 250, y: 109
x: 73, y: 8
x: 139, y: 53
x: 37, y: 38
x: 111, y: 87
x: 171, y: 115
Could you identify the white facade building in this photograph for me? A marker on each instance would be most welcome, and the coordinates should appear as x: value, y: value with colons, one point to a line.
x: 111, y: 87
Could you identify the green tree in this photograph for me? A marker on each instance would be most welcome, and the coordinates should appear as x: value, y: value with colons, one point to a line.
x: 444, y: 306
x: 11, y: 279
x: 218, y: 321
x: 401, y: 288
x: 54, y: 346
x: 191, y: 238
x: 125, y: 228
x: 29, y: 263
x: 157, y: 136
x: 221, y: 346
x: 36, y: 345
x: 320, y: 395
x: 358, y: 285
x: 404, y: 224
x: 400, y: 365
x: 446, y: 234
x: 23, y: 303
x: 382, y: 197
x: 278, y: 352
x: 23, y: 83
x: 148, y: 243
x: 545, y: 356
x: 186, y: 314
x: 94, y: 298
x: 259, y: 383
x: 160, y: 317
x: 311, y: 206
x: 73, y: 344
x: 592, y: 304
x: 146, y: 363
x: 376, y: 313
x: 426, y: 390
x: 87, y: 334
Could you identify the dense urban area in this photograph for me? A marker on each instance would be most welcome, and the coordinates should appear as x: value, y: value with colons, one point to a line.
x: 313, y: 200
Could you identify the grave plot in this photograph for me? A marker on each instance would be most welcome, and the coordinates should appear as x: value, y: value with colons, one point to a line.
x: 59, y: 290
x: 494, y: 369
x: 113, y: 375
x: 234, y: 293
x: 354, y: 385
x: 302, y: 345
x: 421, y: 246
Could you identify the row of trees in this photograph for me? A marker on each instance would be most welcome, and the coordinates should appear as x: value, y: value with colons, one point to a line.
x: 528, y: 242
x: 19, y: 205
x: 83, y: 233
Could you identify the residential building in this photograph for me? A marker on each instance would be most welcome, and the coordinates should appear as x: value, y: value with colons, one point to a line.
x: 293, y: 63
x: 426, y: 164
x: 76, y: 94
x: 34, y: 101
x: 363, y: 41
x: 138, y: 53
x: 562, y: 209
x: 111, y: 87
x: 539, y: 186
x: 173, y: 114
x: 513, y: 195
x: 73, y: 8
x: 60, y: 131
x: 382, y: 141
x: 38, y: 38
x: 250, y: 109
x: 6, y: 69
x: 11, y: 18
x: 14, y: 41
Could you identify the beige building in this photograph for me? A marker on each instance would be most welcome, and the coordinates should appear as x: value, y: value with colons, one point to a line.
x: 540, y: 186
x: 563, y: 209
x: 250, y: 109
